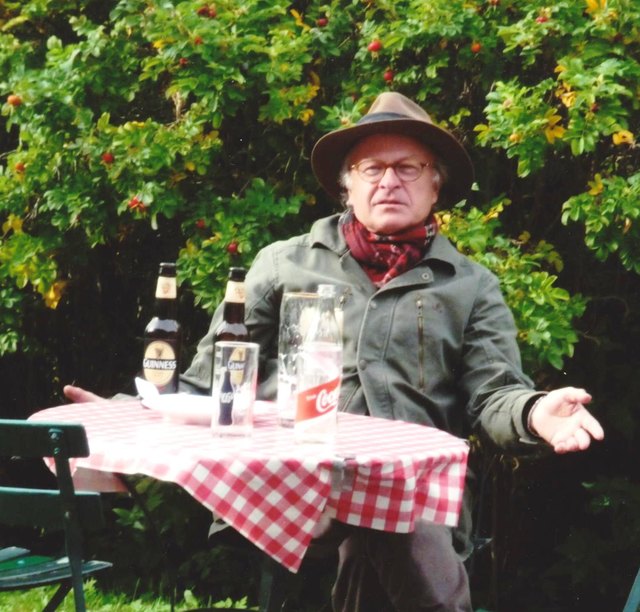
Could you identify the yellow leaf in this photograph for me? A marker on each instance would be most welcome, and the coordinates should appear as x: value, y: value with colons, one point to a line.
x: 596, y: 185
x: 568, y: 98
x: 298, y: 19
x: 552, y: 117
x: 132, y: 125
x: 444, y: 219
x: 594, y: 6
x: 554, y: 132
x: 161, y: 43
x: 623, y: 137
x: 12, y: 223
x: 306, y: 115
x: 53, y: 295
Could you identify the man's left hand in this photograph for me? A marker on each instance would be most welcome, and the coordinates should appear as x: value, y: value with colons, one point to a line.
x: 561, y: 419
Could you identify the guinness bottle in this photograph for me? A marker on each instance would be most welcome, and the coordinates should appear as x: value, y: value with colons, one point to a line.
x: 163, y: 336
x: 233, y: 327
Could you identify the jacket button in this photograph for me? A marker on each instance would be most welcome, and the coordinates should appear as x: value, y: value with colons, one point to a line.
x: 373, y: 305
x: 426, y: 276
x: 363, y: 364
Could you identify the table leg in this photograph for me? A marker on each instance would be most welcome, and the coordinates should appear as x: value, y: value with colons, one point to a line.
x: 275, y: 584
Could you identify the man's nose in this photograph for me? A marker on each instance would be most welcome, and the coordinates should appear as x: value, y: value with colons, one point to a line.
x: 390, y: 179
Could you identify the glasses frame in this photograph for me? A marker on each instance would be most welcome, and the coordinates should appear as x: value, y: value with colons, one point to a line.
x: 393, y: 166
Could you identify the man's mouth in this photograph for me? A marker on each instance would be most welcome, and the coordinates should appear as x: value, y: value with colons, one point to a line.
x: 389, y: 203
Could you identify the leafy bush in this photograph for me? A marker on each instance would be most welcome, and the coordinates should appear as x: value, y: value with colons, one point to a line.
x: 143, y: 130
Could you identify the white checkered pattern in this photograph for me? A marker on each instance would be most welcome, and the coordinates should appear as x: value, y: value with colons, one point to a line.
x: 380, y: 474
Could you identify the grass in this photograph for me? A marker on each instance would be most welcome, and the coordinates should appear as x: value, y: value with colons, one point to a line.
x: 35, y: 600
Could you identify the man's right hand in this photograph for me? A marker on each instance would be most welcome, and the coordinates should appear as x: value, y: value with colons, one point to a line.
x: 78, y: 395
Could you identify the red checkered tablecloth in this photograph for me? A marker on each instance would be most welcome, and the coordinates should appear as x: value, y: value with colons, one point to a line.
x: 380, y: 474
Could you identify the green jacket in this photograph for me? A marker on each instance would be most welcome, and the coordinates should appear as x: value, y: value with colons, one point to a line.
x: 436, y: 345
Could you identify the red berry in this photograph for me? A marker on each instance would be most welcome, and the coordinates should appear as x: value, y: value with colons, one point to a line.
x: 183, y: 61
x: 107, y: 157
x: 542, y: 19
x: 201, y: 224
x: 494, y: 2
x: 388, y: 76
x: 232, y: 248
x: 197, y: 40
x: 476, y: 47
x: 19, y: 167
x: 135, y: 203
x: 14, y: 100
x: 207, y: 10
x: 375, y: 46
x: 321, y: 22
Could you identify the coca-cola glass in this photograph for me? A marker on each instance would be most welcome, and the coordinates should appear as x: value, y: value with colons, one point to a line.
x: 235, y: 378
x: 296, y: 312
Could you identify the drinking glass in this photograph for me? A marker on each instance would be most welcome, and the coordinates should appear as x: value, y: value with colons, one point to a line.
x: 296, y: 312
x: 235, y: 378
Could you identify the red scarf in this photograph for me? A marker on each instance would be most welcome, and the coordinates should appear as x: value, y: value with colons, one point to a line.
x: 384, y: 257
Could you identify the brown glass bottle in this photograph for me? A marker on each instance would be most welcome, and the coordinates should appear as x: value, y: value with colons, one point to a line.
x: 233, y: 326
x: 163, y: 335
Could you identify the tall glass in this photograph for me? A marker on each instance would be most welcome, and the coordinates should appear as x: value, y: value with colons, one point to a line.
x: 296, y: 312
x: 235, y: 378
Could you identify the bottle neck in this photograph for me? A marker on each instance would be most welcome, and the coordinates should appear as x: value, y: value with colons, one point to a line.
x: 166, y: 294
x: 166, y: 309
x: 233, y: 312
x: 326, y: 304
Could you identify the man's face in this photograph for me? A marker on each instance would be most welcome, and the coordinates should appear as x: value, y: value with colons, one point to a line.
x: 391, y: 205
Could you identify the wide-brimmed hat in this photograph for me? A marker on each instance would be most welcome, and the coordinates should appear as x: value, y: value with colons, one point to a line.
x: 393, y: 113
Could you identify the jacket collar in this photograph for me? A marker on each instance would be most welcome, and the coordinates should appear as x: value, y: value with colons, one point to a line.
x: 325, y: 233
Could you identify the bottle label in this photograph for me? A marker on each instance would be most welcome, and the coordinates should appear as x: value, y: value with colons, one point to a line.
x: 159, y: 362
x: 319, y: 400
x: 235, y: 292
x: 166, y: 289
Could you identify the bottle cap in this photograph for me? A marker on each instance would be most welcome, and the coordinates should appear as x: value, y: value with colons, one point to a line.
x: 167, y: 268
x: 237, y: 274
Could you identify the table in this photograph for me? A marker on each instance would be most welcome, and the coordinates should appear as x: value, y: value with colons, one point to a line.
x: 380, y: 474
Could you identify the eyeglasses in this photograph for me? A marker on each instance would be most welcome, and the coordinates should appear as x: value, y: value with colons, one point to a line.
x: 372, y: 170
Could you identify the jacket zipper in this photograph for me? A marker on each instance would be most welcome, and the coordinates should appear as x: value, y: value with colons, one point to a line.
x: 421, y: 347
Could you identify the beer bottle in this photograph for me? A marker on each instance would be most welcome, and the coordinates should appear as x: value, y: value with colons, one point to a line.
x: 232, y: 326
x: 163, y: 335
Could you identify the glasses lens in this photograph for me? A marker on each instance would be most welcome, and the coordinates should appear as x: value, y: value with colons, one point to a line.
x: 408, y: 171
x: 372, y: 170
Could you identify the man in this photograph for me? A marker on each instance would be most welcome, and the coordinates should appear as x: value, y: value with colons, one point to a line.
x: 428, y: 337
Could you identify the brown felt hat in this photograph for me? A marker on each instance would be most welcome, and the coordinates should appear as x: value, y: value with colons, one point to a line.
x: 393, y: 113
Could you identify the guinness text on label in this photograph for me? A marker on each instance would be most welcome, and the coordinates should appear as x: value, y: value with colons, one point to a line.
x: 159, y: 362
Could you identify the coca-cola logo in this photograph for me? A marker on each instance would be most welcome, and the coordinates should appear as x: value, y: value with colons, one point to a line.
x: 226, y: 397
x: 327, y: 400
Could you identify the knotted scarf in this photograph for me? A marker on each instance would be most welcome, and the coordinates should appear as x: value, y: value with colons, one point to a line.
x: 385, y: 256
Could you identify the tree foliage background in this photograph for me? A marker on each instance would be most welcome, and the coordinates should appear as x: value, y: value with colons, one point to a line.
x: 143, y: 130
